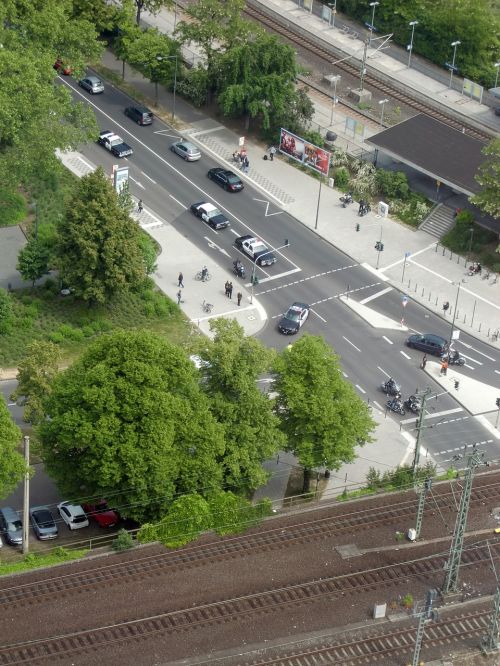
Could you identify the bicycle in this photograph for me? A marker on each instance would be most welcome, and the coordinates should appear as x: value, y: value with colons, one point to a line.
x: 199, y: 276
x: 207, y: 307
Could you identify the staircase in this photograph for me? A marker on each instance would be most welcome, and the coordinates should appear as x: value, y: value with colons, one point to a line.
x: 439, y: 222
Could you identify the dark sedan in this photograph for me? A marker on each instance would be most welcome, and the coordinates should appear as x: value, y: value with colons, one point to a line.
x: 226, y: 179
x: 293, y: 318
x: 428, y: 343
x: 210, y: 214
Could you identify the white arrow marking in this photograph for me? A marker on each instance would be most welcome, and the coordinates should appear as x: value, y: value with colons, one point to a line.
x: 266, y: 214
x: 213, y: 245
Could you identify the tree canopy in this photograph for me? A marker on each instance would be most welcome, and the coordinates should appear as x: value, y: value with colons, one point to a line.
x: 129, y: 418
x: 12, y: 467
x: 488, y: 177
x: 320, y: 412
x: 35, y: 375
x: 98, y: 243
x: 33, y: 260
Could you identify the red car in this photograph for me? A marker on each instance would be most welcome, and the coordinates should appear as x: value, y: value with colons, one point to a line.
x: 59, y: 66
x: 102, y: 514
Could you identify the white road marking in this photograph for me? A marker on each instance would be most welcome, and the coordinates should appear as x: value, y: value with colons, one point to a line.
x: 375, y: 271
x: 359, y: 388
x: 497, y: 371
x: 266, y: 214
x: 384, y: 337
x: 374, y: 296
x: 213, y: 245
x: 280, y: 275
x: 149, y: 178
x: 472, y: 359
x: 319, y: 316
x: 352, y: 344
x: 165, y: 132
x: 413, y: 254
x: 345, y: 374
x: 11, y: 404
x: 405, y: 355
x: 489, y: 426
x: 471, y: 367
x: 137, y: 182
x: 177, y: 201
x: 382, y: 371
x: 435, y: 415
x: 476, y: 351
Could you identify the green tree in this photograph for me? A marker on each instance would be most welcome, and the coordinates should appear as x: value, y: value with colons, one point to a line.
x: 252, y: 431
x: 105, y: 16
x: 320, y: 412
x: 129, y: 419
x: 98, y: 246
x: 488, y: 176
x: 6, y: 312
x: 257, y: 79
x: 151, y: 6
x: 149, y: 254
x: 152, y: 52
x: 35, y: 375
x: 12, y: 467
x: 33, y: 260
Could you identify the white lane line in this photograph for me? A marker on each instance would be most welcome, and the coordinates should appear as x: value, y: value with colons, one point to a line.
x: 137, y: 182
x: 405, y: 355
x: 437, y: 414
x: 11, y: 404
x: 471, y: 367
x: 233, y: 231
x: 149, y: 178
x: 177, y: 201
x: 383, y: 371
x: 474, y: 360
x: 384, y: 337
x: 375, y: 271
x: 359, y: 388
x: 497, y: 371
x: 352, y: 344
x: 489, y: 426
x: 413, y: 254
x: 345, y: 374
x: 319, y: 316
x: 378, y: 406
x: 280, y: 275
x: 476, y: 351
x: 374, y: 296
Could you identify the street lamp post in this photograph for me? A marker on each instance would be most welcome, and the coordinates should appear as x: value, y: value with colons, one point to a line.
x: 471, y: 230
x: 383, y: 102
x: 452, y: 68
x: 334, y: 80
x: 254, y: 265
x: 497, y: 65
x: 172, y: 57
x: 410, y: 48
x: 372, y: 5
x: 454, y: 315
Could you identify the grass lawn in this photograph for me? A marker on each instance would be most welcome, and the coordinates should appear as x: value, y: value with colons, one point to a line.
x: 42, y: 314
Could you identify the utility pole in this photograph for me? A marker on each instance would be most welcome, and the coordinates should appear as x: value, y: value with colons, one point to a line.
x: 363, y: 68
x: 457, y: 544
x: 416, y: 457
x: 26, y: 498
x: 422, y: 494
x: 426, y: 614
x: 491, y: 642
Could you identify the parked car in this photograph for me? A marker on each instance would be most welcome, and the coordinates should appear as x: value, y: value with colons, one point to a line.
x: 102, y: 514
x: 293, y: 318
x: 139, y: 114
x: 61, y: 68
x: 226, y: 179
x: 11, y: 526
x: 92, y: 84
x: 44, y: 525
x: 187, y: 150
x: 73, y: 515
x: 428, y: 343
x: 210, y: 214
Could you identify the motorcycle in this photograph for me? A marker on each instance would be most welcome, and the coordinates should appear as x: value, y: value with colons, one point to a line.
x: 396, y: 405
x: 454, y: 359
x: 364, y: 209
x: 346, y: 200
x: 239, y: 269
x: 390, y: 387
x: 413, y: 404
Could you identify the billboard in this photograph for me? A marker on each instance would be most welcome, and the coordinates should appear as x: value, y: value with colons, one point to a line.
x: 304, y: 152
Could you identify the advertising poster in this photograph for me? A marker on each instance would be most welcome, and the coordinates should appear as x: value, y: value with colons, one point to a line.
x: 304, y: 152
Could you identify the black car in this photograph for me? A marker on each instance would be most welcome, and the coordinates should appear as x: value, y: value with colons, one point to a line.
x: 210, y: 214
x: 139, y: 114
x: 293, y: 318
x: 226, y: 179
x: 114, y: 143
x: 428, y: 343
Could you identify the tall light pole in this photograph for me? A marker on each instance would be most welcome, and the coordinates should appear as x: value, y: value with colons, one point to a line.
x: 372, y: 5
x: 334, y: 80
x: 497, y: 65
x: 410, y: 47
x: 252, y: 279
x: 452, y: 68
x: 383, y: 102
x: 172, y: 57
x: 333, y: 11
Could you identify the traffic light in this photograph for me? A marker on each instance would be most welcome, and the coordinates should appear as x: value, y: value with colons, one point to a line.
x: 358, y: 227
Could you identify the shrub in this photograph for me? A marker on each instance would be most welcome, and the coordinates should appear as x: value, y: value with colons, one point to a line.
x: 195, y: 86
x: 25, y: 323
x: 51, y: 285
x: 341, y: 178
x: 123, y: 541
x: 6, y: 314
x: 13, y: 208
x: 392, y: 184
x: 88, y: 331
x: 149, y: 310
x: 56, y: 337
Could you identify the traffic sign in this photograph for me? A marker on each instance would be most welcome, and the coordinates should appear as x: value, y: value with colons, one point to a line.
x: 451, y: 67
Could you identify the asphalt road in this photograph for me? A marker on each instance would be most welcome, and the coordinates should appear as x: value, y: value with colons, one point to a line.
x: 308, y: 270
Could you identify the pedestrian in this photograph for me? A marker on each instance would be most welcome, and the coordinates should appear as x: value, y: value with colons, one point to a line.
x: 179, y: 294
x: 272, y: 153
x: 239, y: 296
x: 230, y: 290
x: 424, y: 362
x: 444, y: 366
x: 140, y: 206
x: 446, y: 307
x: 247, y: 164
x: 226, y: 288
x: 180, y: 280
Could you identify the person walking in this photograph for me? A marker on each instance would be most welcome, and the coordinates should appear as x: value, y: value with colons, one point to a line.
x: 140, y: 207
x: 230, y: 290
x: 226, y: 288
x: 272, y: 153
x: 424, y: 361
x: 444, y: 366
x: 179, y: 295
x: 180, y: 280
x: 247, y: 164
x: 446, y: 307
x: 239, y: 296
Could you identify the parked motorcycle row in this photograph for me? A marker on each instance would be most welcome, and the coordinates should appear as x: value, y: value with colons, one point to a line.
x: 364, y: 206
x: 396, y: 403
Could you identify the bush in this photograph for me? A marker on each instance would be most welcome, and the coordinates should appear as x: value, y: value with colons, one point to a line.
x: 123, y: 541
x: 87, y: 331
x: 25, y: 323
x: 51, y: 285
x: 392, y: 184
x: 149, y: 310
x: 6, y: 314
x: 341, y: 178
x: 56, y: 337
x: 13, y: 208
x: 194, y: 86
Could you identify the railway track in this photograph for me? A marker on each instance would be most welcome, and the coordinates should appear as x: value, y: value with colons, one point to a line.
x: 319, y: 49
x: 273, y: 539
x: 243, y: 608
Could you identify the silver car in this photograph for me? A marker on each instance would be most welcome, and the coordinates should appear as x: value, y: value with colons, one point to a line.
x: 43, y: 522
x: 92, y: 84
x: 186, y: 150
